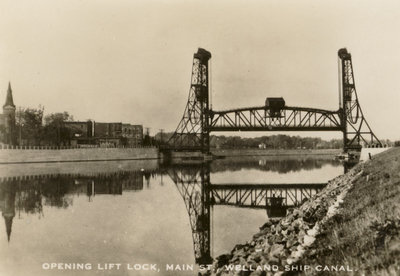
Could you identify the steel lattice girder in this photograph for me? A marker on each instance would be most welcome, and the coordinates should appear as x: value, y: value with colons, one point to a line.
x: 290, y: 119
x: 255, y: 196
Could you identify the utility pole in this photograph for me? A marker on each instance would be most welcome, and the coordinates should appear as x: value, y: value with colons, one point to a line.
x: 148, y: 136
x: 161, y: 135
x: 20, y: 125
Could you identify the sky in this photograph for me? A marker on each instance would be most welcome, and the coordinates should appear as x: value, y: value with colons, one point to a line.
x: 130, y: 61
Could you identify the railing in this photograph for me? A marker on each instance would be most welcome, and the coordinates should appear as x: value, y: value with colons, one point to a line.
x: 10, y: 147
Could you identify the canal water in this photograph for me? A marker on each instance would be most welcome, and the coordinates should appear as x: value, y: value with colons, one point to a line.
x: 78, y: 219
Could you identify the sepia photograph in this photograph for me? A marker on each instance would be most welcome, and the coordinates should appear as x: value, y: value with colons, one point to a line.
x: 170, y: 137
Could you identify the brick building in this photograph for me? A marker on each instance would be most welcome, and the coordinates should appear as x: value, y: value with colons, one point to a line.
x: 105, y: 134
x: 133, y: 134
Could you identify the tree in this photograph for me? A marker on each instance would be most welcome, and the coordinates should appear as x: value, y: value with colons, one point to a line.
x: 55, y: 132
x: 29, y: 124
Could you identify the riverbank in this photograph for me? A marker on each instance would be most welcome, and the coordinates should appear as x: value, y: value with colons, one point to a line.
x: 352, y: 225
x: 272, y: 152
x: 15, y: 156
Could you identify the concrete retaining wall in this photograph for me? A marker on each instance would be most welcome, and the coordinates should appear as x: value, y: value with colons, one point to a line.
x: 8, y: 156
x: 80, y: 168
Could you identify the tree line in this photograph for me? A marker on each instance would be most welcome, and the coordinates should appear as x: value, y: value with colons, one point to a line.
x: 279, y: 141
x: 35, y: 129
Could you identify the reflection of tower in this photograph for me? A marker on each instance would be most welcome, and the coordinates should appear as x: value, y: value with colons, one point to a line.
x: 9, y: 118
x: 192, y: 183
x: 90, y: 190
x: 7, y: 201
x: 147, y: 177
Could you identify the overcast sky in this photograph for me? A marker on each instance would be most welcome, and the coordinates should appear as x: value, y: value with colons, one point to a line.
x: 131, y: 61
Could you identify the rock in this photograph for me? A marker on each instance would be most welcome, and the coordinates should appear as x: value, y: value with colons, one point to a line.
x: 258, y: 273
x: 268, y: 224
x: 285, y: 224
x: 266, y: 249
x: 291, y: 242
x: 273, y: 260
x: 297, y: 213
x: 235, y: 258
x: 301, y: 234
x: 242, y: 253
x: 242, y: 261
x: 238, y: 247
x: 260, y: 234
x: 296, y: 224
x: 223, y: 259
x: 256, y: 257
x: 276, y: 250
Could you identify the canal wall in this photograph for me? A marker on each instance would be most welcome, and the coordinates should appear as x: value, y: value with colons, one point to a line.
x: 10, y: 156
x: 90, y: 168
x: 355, y: 215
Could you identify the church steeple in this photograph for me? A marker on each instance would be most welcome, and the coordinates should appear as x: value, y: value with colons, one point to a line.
x: 9, y: 98
x: 8, y: 219
x: 7, y: 194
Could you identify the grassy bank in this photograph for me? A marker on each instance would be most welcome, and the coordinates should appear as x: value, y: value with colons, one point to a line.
x: 351, y: 227
x: 365, y: 233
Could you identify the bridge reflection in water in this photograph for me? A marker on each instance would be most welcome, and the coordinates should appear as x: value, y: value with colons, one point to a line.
x: 200, y: 195
x: 30, y: 194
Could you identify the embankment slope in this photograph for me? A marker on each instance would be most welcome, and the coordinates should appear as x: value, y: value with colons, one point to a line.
x: 365, y: 233
x: 352, y: 225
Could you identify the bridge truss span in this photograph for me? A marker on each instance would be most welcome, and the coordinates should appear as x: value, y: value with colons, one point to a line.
x: 289, y: 119
x: 257, y: 196
x: 199, y: 120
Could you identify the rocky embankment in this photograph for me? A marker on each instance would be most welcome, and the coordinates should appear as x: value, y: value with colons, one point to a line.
x: 281, y: 246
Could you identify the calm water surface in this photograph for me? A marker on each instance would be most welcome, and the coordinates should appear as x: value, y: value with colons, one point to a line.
x: 141, y: 213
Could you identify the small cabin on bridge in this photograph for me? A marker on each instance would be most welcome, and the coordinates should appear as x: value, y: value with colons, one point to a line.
x: 274, y: 105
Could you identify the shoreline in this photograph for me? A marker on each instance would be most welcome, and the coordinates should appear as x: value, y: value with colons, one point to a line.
x: 297, y: 239
x: 22, y: 156
x: 273, y: 152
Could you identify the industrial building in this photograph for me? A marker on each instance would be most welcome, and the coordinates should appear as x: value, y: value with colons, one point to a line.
x: 133, y: 134
x: 91, y: 133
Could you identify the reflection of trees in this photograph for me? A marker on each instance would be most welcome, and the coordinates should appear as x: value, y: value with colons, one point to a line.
x: 55, y: 192
x: 29, y: 198
x: 273, y: 164
x: 34, y: 192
